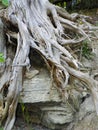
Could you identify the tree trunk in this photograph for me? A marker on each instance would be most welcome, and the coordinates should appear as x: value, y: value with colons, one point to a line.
x: 48, y: 29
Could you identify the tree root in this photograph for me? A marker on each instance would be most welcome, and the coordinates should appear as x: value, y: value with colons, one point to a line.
x: 42, y: 26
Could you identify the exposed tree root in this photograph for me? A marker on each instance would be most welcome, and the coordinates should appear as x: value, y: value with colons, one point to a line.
x: 43, y: 27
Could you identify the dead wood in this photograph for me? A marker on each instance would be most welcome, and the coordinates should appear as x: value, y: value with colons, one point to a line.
x: 43, y: 27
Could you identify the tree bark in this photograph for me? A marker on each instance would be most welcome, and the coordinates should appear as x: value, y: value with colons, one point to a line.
x: 42, y: 26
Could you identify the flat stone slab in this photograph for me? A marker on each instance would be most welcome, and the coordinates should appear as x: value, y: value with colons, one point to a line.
x: 39, y: 89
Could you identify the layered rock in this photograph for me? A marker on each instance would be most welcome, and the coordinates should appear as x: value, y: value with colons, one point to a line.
x: 47, y: 107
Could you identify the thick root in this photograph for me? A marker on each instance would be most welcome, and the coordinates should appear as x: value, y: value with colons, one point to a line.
x: 42, y: 26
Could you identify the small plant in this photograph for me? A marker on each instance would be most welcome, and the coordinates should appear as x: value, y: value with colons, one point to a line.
x: 96, y: 23
x: 86, y: 51
x: 1, y: 128
x: 2, y: 58
x: 5, y: 2
x: 25, y: 113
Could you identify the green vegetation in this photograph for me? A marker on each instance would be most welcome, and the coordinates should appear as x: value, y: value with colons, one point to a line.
x: 25, y: 113
x: 96, y: 23
x: 76, y: 4
x: 5, y: 2
x: 1, y: 128
x: 86, y: 51
x: 2, y: 58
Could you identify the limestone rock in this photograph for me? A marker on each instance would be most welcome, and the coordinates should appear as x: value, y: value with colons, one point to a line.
x: 39, y: 88
x: 56, y: 116
x: 39, y: 91
x: 86, y: 108
x: 90, y: 122
x: 31, y: 74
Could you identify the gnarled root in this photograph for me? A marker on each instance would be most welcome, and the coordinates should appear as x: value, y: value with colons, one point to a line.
x: 43, y: 26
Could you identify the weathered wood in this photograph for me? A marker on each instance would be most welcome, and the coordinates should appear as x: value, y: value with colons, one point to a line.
x: 41, y: 26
